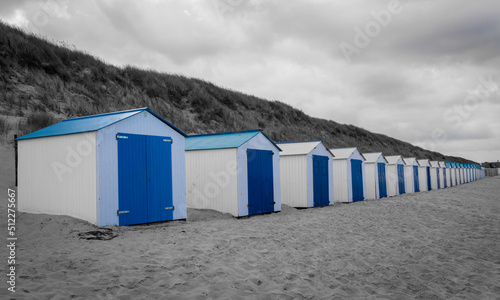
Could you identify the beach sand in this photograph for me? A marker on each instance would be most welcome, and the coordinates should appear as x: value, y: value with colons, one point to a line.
x: 430, y: 245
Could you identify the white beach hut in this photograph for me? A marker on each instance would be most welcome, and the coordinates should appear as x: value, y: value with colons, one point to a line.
x: 456, y: 172
x: 348, y: 175
x: 233, y: 172
x: 443, y: 175
x: 412, y: 179
x: 306, y: 174
x: 461, y: 169
x: 117, y: 168
x: 424, y: 174
x: 450, y: 176
x: 395, y: 175
x: 435, y: 175
x: 376, y: 175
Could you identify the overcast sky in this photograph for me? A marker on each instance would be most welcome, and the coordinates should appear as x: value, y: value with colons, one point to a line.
x: 426, y: 72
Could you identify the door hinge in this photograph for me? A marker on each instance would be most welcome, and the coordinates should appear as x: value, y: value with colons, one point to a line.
x: 121, y: 137
x: 122, y: 212
x: 172, y: 207
x: 169, y: 140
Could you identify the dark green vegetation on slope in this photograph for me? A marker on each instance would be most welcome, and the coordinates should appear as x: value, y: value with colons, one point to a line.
x: 41, y: 83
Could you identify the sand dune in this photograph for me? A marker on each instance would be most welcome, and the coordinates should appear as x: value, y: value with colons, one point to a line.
x: 430, y: 245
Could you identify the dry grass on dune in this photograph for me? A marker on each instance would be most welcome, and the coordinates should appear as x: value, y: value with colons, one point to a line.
x: 430, y: 245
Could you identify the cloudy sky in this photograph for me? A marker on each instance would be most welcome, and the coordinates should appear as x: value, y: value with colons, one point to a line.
x: 426, y: 72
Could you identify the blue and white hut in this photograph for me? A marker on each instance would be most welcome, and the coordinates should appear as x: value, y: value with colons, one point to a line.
x: 117, y: 168
x: 306, y: 174
x: 443, y: 175
x: 376, y: 175
x: 412, y: 179
x: 348, y: 175
x: 233, y: 172
x: 435, y: 175
x: 395, y: 175
x: 424, y: 174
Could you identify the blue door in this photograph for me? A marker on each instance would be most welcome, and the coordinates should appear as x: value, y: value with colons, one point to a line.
x: 444, y: 178
x: 382, y: 180
x: 357, y: 180
x: 320, y: 180
x: 260, y: 181
x: 428, y: 178
x: 416, y: 183
x: 159, y: 165
x: 438, y: 178
x: 401, y: 179
x: 144, y: 179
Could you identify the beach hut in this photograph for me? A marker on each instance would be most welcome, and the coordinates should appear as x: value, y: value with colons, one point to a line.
x: 376, y: 175
x: 424, y: 174
x: 461, y: 168
x: 395, y: 175
x: 435, y: 175
x: 117, y: 168
x: 450, y: 176
x: 348, y: 175
x: 442, y: 175
x: 233, y: 172
x: 306, y: 174
x: 411, y: 175
x: 456, y: 172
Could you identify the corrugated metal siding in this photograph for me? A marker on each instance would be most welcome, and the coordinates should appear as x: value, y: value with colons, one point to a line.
x: 340, y: 181
x: 319, y: 150
x: 212, y: 180
x: 259, y: 142
x: 147, y: 124
x: 294, y: 180
x: 71, y: 193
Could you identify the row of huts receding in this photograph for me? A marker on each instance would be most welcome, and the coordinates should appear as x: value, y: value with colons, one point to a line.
x: 134, y: 167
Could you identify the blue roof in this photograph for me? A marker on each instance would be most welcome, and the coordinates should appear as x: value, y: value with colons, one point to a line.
x: 222, y: 140
x: 90, y: 123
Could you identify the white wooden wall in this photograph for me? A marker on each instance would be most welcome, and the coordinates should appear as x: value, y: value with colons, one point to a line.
x: 410, y: 186
x: 57, y: 175
x: 294, y: 180
x: 434, y: 180
x: 422, y: 178
x: 212, y: 180
x: 372, y: 191
x: 392, y: 180
x: 340, y: 180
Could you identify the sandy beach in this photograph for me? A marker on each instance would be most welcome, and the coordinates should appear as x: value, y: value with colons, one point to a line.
x: 430, y: 245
